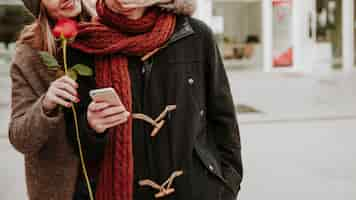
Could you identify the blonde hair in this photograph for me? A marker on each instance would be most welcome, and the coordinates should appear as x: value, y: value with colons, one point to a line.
x: 39, y: 35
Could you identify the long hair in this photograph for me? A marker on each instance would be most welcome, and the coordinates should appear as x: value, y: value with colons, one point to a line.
x: 39, y: 36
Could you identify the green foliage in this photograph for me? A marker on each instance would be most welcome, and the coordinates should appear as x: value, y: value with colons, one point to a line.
x: 73, y: 74
x: 12, y: 20
x: 49, y: 60
x: 52, y: 64
x: 83, y: 70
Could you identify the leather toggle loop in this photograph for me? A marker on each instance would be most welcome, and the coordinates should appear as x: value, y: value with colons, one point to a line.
x: 158, y: 123
x: 166, y: 188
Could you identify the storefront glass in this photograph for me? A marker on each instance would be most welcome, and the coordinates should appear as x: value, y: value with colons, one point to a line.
x: 240, y: 39
x: 282, y: 33
x: 329, y: 31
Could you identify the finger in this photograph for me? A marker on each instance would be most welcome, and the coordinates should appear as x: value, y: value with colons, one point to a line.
x: 100, y: 129
x: 65, y: 86
x: 69, y: 81
x: 65, y: 95
x: 114, y: 118
x: 60, y: 101
x: 97, y: 107
x: 128, y: 114
x: 91, y: 106
x: 115, y: 124
x: 120, y: 122
x: 112, y: 111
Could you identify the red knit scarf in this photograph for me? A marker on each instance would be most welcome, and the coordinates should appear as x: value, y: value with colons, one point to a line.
x: 112, y: 45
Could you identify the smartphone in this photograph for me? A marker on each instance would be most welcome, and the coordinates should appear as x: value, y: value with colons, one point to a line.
x: 107, y: 95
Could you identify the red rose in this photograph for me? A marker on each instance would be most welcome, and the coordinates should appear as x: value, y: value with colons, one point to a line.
x: 65, y: 27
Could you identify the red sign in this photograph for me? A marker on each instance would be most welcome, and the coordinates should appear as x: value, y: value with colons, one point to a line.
x: 282, y: 33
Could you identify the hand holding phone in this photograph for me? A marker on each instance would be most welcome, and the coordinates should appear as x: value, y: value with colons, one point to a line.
x: 106, y: 110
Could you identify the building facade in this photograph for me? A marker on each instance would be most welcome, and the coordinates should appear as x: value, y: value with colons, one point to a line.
x: 278, y: 35
x: 288, y: 35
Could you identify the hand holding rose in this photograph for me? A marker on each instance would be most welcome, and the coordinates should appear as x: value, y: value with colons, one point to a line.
x: 62, y: 91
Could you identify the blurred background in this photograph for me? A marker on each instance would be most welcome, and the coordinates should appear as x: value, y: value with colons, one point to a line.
x: 292, y: 70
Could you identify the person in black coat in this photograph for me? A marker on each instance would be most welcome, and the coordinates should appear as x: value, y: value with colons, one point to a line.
x: 199, y: 143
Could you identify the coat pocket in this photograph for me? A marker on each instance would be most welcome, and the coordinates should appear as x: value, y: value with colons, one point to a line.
x: 205, y: 186
x: 232, y: 181
x: 228, y: 177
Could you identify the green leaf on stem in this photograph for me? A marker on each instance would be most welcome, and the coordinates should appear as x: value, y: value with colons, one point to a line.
x: 83, y: 70
x: 73, y: 74
x: 49, y: 60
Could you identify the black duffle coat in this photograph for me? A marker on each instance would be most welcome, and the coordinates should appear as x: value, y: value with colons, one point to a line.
x: 201, y: 137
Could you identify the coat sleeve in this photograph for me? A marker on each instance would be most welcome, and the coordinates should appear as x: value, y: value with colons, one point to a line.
x: 185, y: 7
x: 93, y: 144
x: 222, y: 120
x: 30, y: 127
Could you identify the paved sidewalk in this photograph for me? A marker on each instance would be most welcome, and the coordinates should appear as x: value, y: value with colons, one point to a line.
x: 12, y: 173
x: 299, y: 160
x: 5, y: 93
x: 295, y: 96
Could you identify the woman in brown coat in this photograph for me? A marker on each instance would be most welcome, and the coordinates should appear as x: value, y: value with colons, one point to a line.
x: 37, y: 127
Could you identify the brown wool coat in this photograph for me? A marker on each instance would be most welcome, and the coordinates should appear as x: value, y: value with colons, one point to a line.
x: 51, y: 165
